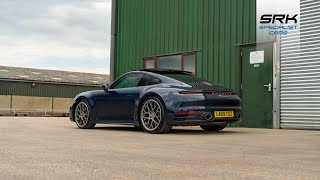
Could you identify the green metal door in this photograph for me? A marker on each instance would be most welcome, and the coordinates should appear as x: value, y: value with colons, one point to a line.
x: 257, y: 85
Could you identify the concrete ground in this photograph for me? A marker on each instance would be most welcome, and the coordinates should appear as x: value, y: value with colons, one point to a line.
x: 54, y: 148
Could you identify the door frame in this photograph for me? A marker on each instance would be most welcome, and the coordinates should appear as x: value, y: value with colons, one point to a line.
x: 275, y: 76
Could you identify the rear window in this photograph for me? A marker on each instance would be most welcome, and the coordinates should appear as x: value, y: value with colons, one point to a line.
x: 197, y: 83
x: 186, y: 78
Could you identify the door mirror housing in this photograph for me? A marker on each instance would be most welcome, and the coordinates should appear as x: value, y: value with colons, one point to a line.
x: 105, y: 87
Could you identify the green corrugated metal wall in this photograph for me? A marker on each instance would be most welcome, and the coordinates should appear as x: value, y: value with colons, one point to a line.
x: 211, y: 27
x: 42, y: 89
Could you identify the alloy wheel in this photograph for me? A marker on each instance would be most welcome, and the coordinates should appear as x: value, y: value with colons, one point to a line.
x: 151, y: 115
x: 82, y: 114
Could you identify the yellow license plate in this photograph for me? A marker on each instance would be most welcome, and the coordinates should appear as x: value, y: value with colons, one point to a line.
x: 223, y: 114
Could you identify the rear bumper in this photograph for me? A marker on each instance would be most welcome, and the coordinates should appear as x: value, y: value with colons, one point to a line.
x: 206, y: 117
x: 203, y: 122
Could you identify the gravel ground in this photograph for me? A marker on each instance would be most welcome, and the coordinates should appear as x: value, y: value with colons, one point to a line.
x: 54, y: 148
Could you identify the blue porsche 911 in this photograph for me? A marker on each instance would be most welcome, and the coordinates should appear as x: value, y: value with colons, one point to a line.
x: 156, y: 100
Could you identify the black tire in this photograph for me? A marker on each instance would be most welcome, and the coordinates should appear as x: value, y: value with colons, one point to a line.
x: 89, y: 124
x: 163, y: 126
x: 213, y: 127
x: 138, y: 127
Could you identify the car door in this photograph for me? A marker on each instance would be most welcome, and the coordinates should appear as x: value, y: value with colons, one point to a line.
x: 117, y: 105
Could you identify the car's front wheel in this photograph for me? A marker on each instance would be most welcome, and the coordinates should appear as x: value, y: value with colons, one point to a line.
x: 82, y: 115
x: 213, y: 127
x: 152, y: 116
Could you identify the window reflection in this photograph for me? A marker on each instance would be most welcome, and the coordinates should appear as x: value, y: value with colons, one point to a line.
x: 184, y: 61
x: 189, y: 63
x: 170, y: 62
x: 150, y: 64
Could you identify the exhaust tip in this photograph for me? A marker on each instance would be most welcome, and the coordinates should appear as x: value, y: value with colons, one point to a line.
x: 208, y: 116
x: 238, y: 115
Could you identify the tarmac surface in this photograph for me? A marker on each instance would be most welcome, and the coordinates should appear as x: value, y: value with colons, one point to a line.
x: 54, y: 148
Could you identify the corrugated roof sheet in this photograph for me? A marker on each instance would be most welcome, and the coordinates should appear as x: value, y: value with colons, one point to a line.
x: 54, y: 76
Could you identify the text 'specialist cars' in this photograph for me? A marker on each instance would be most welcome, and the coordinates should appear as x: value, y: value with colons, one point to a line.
x: 156, y: 100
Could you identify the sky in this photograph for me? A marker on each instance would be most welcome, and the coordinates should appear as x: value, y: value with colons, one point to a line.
x: 70, y: 35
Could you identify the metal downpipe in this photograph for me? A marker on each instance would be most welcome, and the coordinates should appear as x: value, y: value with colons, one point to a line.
x: 113, y: 40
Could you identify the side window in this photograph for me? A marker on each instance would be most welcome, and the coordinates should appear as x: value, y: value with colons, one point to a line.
x: 149, y: 80
x: 131, y: 80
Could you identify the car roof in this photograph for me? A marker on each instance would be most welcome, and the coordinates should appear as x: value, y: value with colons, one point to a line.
x: 161, y: 74
x: 167, y: 71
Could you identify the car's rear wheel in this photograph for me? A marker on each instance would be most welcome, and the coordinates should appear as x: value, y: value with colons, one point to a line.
x: 213, y: 127
x: 82, y: 115
x: 152, y: 116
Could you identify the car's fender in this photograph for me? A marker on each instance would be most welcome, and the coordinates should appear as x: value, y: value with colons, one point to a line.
x: 90, y: 97
x: 164, y: 94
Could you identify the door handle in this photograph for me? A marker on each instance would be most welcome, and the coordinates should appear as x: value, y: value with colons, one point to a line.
x: 268, y: 86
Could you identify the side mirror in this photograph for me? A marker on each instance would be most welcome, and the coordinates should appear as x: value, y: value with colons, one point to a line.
x: 105, y: 87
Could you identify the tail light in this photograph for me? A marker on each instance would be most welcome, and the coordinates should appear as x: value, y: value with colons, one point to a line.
x: 207, y: 92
